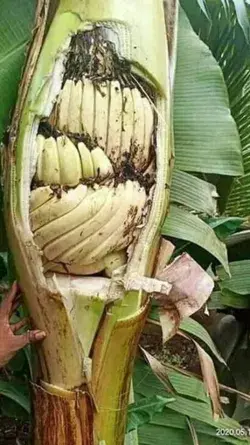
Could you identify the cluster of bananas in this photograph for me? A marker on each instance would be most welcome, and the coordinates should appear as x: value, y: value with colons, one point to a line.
x: 61, y: 162
x: 87, y: 229
x: 119, y: 119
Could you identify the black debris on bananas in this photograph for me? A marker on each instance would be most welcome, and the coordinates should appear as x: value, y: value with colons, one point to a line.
x: 95, y: 161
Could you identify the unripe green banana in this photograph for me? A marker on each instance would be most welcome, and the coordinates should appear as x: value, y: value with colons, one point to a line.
x: 138, y: 131
x: 74, y: 115
x: 48, y: 170
x: 114, y: 122
x: 88, y: 107
x: 101, y: 113
x: 63, y: 106
x: 86, y: 161
x: 56, y: 207
x: 69, y: 160
x: 127, y: 120
x: 101, y: 163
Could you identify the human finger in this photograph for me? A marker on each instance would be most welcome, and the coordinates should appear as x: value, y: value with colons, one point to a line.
x: 29, y: 337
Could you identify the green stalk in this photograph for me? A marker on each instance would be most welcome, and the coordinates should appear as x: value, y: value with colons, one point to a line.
x: 82, y: 390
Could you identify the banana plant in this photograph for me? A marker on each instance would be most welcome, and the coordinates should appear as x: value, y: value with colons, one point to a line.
x: 87, y: 179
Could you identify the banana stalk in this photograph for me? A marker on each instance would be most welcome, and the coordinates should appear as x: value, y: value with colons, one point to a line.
x: 87, y: 176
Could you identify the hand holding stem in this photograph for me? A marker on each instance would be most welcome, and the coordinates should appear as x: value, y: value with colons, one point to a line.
x: 9, y: 342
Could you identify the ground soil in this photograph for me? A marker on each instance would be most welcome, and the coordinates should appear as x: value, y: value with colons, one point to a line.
x: 13, y: 431
x: 177, y: 351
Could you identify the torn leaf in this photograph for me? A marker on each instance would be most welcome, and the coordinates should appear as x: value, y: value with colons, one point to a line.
x: 209, y: 378
x: 191, y: 286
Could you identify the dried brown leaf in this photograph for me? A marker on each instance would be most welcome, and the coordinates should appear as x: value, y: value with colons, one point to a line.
x: 182, y: 371
x: 170, y: 321
x: 192, y: 431
x: 159, y: 370
x: 165, y: 252
x: 191, y: 286
x: 209, y: 377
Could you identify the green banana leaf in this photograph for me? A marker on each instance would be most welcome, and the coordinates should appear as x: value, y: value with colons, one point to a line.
x: 206, y: 141
x: 184, y: 190
x: 239, y: 282
x: 16, y: 391
x: 215, y: 302
x: 206, y: 136
x: 241, y: 12
x: 170, y: 426
x: 16, y: 21
x: 233, y: 291
x: 231, y: 48
x: 187, y: 226
x: 195, y: 329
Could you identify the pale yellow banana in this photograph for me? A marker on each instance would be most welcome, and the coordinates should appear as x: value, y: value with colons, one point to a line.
x: 114, y: 122
x: 109, y: 263
x: 85, y: 230
x: 127, y: 121
x: 39, y: 196
x: 88, y: 107
x: 113, y: 261
x: 40, y: 140
x: 101, y: 163
x: 74, y: 115
x: 47, y: 233
x: 56, y: 207
x: 120, y: 225
x: 67, y: 230
x: 63, y: 107
x: 74, y: 269
x: 74, y: 243
x: 69, y: 161
x: 105, y: 223
x: 101, y: 113
x: 48, y: 163
x: 86, y: 161
x: 138, y: 130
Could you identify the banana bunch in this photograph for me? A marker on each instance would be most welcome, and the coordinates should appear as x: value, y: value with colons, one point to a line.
x: 87, y: 225
x: 59, y: 161
x: 88, y: 229
x: 119, y: 119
